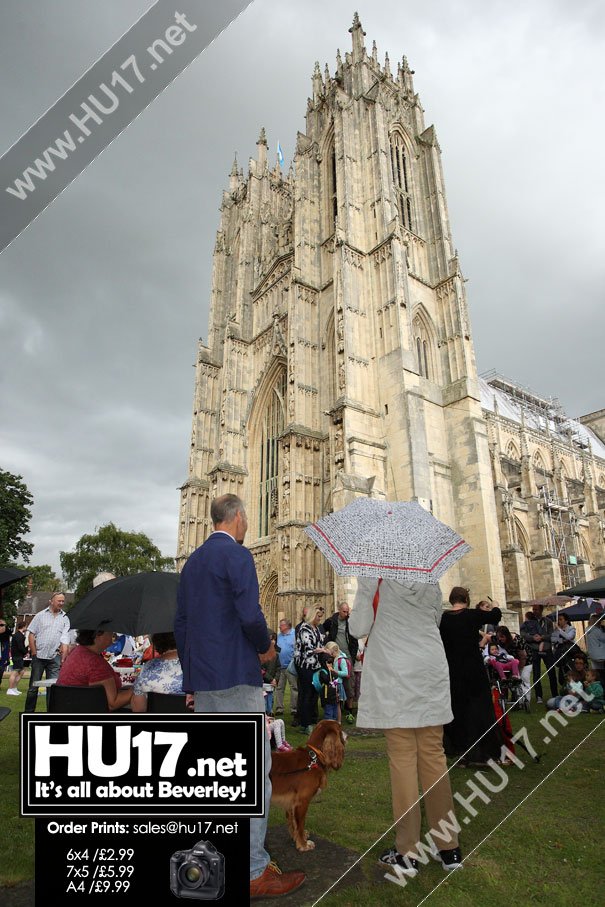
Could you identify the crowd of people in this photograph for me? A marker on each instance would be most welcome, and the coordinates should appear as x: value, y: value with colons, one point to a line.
x: 422, y: 675
x: 88, y: 658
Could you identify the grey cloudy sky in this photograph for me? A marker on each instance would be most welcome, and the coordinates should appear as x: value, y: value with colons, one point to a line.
x: 103, y: 297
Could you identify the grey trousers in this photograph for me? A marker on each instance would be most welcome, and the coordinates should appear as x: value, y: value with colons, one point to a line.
x: 245, y: 699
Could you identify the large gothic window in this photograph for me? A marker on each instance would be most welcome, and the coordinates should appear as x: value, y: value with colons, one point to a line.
x: 271, y: 427
x: 424, y: 348
x: 400, y: 165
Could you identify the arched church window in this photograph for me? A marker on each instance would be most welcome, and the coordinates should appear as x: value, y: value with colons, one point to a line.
x: 539, y: 461
x: 512, y: 451
x: 272, y: 425
x: 400, y: 166
x: 423, y: 348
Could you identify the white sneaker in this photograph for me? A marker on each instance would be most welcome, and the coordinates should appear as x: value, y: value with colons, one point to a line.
x: 13, y: 693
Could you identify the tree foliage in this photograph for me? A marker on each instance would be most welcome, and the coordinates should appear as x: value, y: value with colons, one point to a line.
x: 15, y: 514
x: 43, y: 579
x: 114, y: 550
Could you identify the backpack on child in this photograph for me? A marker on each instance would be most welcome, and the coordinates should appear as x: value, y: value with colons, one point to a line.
x: 342, y: 662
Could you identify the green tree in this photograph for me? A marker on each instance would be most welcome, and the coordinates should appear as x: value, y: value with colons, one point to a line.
x: 114, y: 550
x: 15, y: 514
x: 43, y: 579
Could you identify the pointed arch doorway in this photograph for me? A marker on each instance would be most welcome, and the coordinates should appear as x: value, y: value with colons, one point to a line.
x: 269, y: 601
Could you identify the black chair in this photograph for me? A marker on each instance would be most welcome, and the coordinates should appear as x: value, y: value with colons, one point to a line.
x: 76, y: 700
x: 4, y: 712
x: 166, y: 702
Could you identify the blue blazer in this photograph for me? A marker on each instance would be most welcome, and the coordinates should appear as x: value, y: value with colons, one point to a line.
x: 219, y: 626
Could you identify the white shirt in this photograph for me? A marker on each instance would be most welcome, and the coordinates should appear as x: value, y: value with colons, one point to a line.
x: 51, y: 630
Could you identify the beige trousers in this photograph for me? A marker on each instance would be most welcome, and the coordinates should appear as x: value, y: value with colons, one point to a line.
x: 416, y: 757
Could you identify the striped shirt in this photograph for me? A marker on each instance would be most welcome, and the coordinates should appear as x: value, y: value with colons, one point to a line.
x: 51, y: 630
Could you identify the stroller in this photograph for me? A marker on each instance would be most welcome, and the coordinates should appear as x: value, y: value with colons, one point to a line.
x: 511, y: 687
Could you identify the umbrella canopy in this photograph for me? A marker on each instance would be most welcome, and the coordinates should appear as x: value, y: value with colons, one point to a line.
x: 580, y: 610
x: 551, y: 601
x: 594, y: 588
x: 10, y: 575
x: 143, y: 603
x: 396, y: 539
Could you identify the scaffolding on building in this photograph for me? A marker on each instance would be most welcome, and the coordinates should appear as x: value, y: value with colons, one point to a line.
x: 548, y: 409
x: 558, y: 518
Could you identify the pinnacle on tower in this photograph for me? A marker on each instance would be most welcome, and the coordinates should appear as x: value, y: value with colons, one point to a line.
x: 317, y: 82
x: 262, y: 148
x: 406, y: 76
x: 358, y: 35
x: 234, y: 175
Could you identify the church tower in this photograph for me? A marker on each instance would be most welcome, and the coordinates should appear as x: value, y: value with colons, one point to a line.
x: 340, y: 359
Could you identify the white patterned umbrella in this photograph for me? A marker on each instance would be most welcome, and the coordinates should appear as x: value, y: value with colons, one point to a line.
x: 395, y: 539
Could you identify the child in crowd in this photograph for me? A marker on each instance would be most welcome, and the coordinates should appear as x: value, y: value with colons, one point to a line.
x: 276, y: 730
x: 342, y: 668
x: 575, y: 681
x: 271, y: 671
x: 501, y: 661
x: 358, y: 667
x: 325, y: 681
x: 594, y: 687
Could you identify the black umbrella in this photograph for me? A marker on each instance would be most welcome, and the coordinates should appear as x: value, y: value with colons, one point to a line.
x: 144, y: 603
x: 581, y: 610
x: 594, y: 588
x: 10, y: 575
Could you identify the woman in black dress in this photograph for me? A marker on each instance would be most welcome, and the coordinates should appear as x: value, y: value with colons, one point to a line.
x: 470, y: 689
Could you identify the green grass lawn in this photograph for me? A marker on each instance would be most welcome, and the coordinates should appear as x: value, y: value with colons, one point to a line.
x: 16, y: 834
x: 548, y: 852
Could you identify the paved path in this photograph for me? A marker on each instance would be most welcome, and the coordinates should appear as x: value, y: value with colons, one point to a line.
x: 322, y: 866
x: 19, y: 896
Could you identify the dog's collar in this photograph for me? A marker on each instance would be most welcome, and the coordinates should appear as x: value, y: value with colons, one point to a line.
x: 316, y: 757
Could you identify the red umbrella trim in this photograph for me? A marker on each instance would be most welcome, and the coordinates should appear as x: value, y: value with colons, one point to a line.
x: 347, y: 563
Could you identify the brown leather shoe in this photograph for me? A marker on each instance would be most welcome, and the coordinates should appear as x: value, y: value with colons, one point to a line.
x: 273, y: 882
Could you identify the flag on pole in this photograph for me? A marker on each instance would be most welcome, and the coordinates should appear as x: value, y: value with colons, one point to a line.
x: 280, y: 155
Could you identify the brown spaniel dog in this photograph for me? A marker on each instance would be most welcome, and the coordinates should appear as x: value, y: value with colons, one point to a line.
x: 298, y: 775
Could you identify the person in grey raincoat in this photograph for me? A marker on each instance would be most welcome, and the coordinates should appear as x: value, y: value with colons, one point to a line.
x: 406, y: 692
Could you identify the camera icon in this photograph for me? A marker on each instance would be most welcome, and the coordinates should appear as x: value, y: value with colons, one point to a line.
x: 198, y: 873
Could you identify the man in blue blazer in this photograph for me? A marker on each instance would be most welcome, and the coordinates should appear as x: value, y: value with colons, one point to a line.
x: 222, y: 638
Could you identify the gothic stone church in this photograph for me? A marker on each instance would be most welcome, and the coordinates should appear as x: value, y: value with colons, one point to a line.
x: 340, y: 363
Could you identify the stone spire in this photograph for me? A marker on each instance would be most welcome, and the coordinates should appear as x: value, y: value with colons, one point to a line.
x: 406, y: 76
x: 234, y: 175
x: 262, y: 147
x: 317, y: 82
x: 358, y: 36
